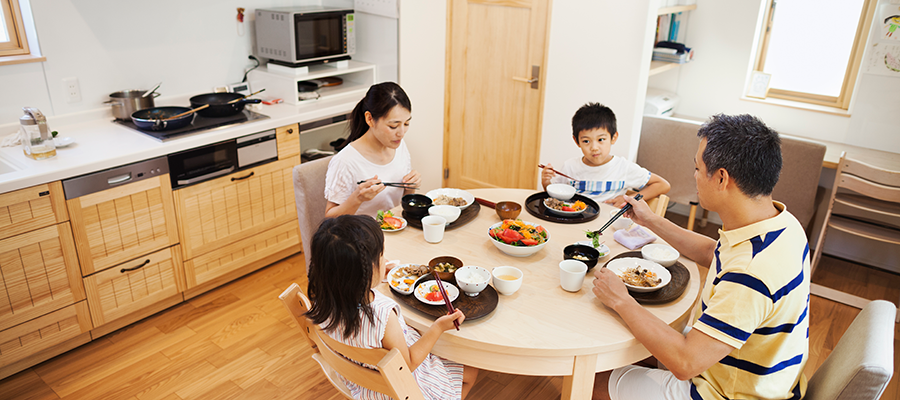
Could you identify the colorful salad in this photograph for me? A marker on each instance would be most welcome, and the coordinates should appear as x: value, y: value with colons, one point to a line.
x: 518, y: 233
x: 388, y: 221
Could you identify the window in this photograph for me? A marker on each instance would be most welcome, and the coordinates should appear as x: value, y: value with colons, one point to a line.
x: 12, y: 34
x: 813, y: 49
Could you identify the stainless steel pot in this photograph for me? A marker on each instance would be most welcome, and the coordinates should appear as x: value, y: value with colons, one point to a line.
x: 126, y: 102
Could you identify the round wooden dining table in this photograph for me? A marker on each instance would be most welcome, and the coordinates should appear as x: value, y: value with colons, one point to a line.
x: 540, y: 330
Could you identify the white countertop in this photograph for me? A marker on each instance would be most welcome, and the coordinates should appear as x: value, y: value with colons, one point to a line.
x: 101, y: 143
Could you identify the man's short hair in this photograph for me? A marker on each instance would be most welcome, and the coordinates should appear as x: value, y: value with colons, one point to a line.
x: 593, y: 116
x: 745, y: 147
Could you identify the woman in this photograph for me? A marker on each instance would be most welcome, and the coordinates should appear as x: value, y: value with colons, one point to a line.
x: 374, y: 152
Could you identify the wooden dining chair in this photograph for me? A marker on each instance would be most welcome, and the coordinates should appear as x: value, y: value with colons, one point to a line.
x: 392, y: 376
x: 869, y: 202
x: 667, y: 148
x: 309, y: 198
x: 659, y: 205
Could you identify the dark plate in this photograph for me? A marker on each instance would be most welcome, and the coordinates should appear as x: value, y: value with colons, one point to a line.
x: 680, y: 279
x: 474, y: 307
x: 468, y: 214
x: 534, y: 204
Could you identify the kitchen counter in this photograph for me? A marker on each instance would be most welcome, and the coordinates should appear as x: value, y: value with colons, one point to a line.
x: 101, y: 143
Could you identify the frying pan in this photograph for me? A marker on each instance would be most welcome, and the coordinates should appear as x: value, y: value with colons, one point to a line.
x: 151, y: 118
x: 218, y: 104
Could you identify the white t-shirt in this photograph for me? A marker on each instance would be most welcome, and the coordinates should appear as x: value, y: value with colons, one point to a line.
x: 606, y: 181
x: 349, y: 166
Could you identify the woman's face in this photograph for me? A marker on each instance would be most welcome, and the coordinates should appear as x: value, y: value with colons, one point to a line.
x: 391, y: 128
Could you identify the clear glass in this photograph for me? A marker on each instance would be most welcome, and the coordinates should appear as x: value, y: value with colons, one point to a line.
x: 810, y: 43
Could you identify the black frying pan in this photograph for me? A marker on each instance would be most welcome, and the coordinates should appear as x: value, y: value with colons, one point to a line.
x: 154, y: 119
x: 218, y: 104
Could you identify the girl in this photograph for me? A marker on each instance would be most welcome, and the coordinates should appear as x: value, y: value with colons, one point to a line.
x: 376, y: 152
x: 345, y: 266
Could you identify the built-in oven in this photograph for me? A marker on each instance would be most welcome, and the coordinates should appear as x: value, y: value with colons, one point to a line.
x: 204, y: 163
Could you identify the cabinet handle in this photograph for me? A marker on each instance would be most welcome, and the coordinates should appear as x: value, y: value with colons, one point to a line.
x: 242, y: 178
x: 291, y: 130
x: 124, y: 270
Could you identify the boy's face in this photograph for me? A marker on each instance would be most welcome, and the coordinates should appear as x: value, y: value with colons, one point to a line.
x: 595, y: 145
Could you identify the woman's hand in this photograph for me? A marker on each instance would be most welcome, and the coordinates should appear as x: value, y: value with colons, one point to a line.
x: 445, y: 323
x: 369, y: 189
x: 413, y: 177
x: 547, y: 175
x: 610, y: 289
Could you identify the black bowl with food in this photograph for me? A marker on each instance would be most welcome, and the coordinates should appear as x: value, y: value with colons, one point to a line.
x: 445, y: 266
x: 416, y: 205
x: 580, y: 252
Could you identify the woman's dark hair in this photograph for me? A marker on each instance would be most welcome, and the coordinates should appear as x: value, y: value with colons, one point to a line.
x: 745, y: 147
x: 344, y: 252
x: 593, y: 116
x: 379, y: 101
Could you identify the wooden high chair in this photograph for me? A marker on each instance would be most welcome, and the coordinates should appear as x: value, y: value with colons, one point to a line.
x: 392, y: 377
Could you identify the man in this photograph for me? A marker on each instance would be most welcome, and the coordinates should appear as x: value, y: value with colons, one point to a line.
x: 750, y: 337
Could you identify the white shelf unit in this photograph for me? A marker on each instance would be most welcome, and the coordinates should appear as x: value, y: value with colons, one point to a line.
x: 357, y: 77
x: 657, y: 67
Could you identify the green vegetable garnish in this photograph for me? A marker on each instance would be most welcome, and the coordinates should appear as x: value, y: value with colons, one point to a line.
x: 594, y: 236
x: 54, y: 133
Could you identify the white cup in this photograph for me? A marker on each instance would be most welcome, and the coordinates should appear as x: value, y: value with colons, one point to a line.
x: 433, y: 227
x: 504, y: 285
x: 571, y: 275
x: 621, y: 223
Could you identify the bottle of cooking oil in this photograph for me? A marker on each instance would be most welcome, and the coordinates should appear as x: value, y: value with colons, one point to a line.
x: 37, y: 141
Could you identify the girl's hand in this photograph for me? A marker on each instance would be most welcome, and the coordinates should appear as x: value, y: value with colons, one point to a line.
x: 369, y: 189
x: 445, y: 323
x: 547, y: 175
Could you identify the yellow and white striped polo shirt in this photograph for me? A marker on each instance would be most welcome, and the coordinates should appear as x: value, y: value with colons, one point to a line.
x: 756, y: 299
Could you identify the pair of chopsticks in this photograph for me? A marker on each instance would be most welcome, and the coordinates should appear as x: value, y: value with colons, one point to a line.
x: 446, y: 298
x: 625, y: 208
x: 405, y: 185
x: 557, y: 172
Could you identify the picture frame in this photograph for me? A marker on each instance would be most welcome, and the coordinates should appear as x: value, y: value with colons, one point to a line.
x: 759, y: 85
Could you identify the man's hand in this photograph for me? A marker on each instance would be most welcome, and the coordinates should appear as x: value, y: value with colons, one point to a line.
x: 640, y: 212
x: 610, y: 289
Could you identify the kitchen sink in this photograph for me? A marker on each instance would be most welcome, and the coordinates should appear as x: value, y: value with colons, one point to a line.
x: 7, y: 167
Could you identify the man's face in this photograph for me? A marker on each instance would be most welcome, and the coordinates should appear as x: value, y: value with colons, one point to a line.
x: 705, y: 183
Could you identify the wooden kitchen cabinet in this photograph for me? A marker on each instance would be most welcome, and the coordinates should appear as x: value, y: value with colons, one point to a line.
x: 234, y: 207
x: 135, y: 285
x: 32, y: 208
x: 38, y: 274
x: 119, y: 224
x: 288, y: 139
x: 39, y: 339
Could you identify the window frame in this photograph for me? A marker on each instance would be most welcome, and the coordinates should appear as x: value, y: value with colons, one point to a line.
x: 842, y: 101
x: 15, y: 27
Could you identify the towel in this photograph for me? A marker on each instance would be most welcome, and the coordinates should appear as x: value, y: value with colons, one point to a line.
x: 13, y: 139
x: 634, y: 238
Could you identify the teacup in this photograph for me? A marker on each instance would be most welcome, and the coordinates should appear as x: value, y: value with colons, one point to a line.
x: 507, y: 280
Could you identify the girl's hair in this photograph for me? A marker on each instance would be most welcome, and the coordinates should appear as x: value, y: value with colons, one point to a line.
x: 379, y: 101
x: 344, y: 252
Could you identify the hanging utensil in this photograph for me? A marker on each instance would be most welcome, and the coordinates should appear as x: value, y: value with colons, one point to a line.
x: 147, y: 93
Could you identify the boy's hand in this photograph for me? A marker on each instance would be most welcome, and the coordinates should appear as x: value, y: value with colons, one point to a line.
x: 547, y: 175
x: 445, y: 323
x: 617, y: 202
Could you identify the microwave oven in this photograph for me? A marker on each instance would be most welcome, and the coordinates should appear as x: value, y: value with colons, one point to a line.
x: 299, y: 36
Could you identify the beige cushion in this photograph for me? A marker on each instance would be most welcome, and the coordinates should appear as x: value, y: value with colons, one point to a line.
x: 861, y: 364
x: 309, y: 196
x: 801, y: 167
x: 667, y: 148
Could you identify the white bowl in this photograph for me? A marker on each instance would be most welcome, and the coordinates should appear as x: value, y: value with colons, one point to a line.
x: 561, y: 191
x: 563, y: 213
x: 472, y: 280
x: 620, y: 265
x: 507, y: 286
x: 424, y: 287
x: 450, y: 213
x: 468, y: 197
x: 517, y: 251
x: 661, y: 254
x: 621, y: 222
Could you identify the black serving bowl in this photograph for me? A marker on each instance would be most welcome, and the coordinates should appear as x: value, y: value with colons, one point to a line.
x: 591, y: 253
x: 416, y: 205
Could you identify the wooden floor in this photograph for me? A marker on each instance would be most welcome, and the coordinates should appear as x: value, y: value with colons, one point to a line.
x: 237, y: 342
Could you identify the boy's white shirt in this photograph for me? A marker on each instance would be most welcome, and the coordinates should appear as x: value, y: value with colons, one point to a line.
x: 606, y: 181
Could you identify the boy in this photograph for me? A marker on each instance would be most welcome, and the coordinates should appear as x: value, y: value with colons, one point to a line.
x: 602, y: 176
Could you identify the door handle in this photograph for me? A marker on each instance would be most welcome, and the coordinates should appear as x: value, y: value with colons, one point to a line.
x: 535, y: 73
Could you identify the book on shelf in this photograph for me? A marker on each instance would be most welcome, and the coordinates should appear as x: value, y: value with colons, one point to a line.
x: 672, y: 52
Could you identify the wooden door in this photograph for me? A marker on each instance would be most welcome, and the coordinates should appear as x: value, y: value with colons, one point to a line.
x: 32, y: 208
x: 492, y: 134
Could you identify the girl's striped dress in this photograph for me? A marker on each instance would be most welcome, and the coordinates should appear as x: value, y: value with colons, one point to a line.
x: 438, y: 378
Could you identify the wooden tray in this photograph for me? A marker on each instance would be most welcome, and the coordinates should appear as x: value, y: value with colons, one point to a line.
x: 468, y: 214
x: 680, y: 279
x: 534, y: 204
x: 474, y: 307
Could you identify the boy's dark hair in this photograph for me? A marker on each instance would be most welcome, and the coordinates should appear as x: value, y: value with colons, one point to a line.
x: 593, y: 116
x: 745, y: 147
x: 344, y: 253
x: 379, y: 101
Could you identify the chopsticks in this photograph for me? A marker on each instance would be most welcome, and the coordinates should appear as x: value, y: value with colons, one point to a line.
x: 405, y: 185
x: 446, y: 298
x: 625, y: 208
x: 559, y: 173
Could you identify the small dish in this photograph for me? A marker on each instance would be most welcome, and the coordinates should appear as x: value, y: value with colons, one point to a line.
x: 561, y: 212
x: 425, y: 287
x: 404, y: 283
x: 508, y: 209
x: 468, y: 197
x: 561, y: 191
x: 620, y: 265
x: 446, y: 276
x: 63, y: 141
x: 586, y: 254
x: 416, y: 205
x: 661, y: 254
x: 450, y: 213
x: 402, y: 227
x: 603, y: 249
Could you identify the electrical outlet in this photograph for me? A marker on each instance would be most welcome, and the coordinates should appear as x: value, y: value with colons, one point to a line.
x: 73, y: 91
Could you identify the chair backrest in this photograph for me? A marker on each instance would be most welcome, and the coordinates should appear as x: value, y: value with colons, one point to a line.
x: 309, y: 197
x: 799, y: 181
x: 667, y: 149
x: 868, y: 180
x: 392, y: 377
x: 659, y: 205
x: 862, y: 363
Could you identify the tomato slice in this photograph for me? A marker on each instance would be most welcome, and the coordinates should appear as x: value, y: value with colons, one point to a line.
x: 529, y: 242
x: 567, y: 208
x: 394, y: 222
x: 434, y: 296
